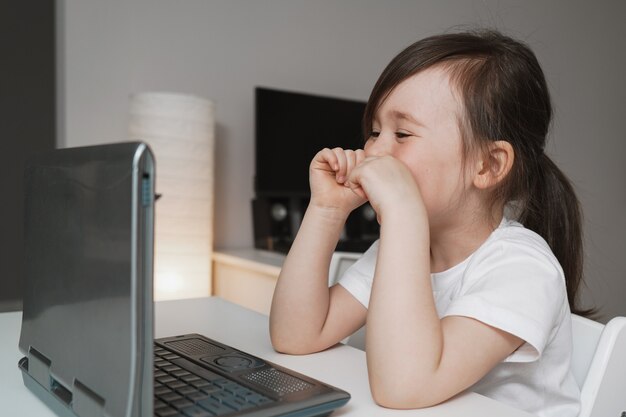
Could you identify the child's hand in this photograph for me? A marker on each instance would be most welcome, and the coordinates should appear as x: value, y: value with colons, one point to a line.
x: 327, y: 177
x: 388, y: 185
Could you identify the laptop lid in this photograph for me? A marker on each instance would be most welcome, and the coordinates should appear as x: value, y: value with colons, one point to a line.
x: 87, y: 329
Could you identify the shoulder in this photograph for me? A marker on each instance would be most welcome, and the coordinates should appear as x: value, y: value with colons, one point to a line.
x: 513, y: 245
x: 515, y: 283
x: 519, y: 262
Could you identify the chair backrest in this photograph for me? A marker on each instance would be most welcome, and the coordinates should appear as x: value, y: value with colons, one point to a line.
x: 338, y: 265
x: 339, y: 262
x: 585, y: 334
x: 599, y: 366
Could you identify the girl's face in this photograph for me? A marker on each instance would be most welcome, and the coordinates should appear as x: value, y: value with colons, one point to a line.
x: 418, y: 125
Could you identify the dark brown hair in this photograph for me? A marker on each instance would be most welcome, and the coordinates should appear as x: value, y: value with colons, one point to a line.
x: 505, y: 97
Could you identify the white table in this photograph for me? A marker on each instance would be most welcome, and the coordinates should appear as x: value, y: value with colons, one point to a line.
x: 341, y: 366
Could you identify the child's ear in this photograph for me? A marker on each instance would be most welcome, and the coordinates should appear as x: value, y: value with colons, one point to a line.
x: 495, y: 165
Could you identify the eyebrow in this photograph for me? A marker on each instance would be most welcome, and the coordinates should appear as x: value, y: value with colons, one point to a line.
x: 398, y: 114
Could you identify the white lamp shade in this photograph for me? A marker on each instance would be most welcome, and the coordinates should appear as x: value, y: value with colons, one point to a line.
x: 180, y: 130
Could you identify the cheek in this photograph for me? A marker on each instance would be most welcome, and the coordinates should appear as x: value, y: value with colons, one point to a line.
x: 439, y: 181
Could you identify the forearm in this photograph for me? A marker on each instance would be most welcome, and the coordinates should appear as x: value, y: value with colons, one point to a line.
x: 404, y: 337
x: 301, y: 298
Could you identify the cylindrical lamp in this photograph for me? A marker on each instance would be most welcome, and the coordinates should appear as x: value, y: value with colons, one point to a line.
x: 180, y: 130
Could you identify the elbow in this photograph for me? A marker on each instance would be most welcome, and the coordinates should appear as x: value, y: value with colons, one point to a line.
x: 281, y: 342
x: 288, y: 345
x: 282, y: 346
x: 403, y: 396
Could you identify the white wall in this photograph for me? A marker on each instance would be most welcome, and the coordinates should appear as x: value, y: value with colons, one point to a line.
x: 221, y: 49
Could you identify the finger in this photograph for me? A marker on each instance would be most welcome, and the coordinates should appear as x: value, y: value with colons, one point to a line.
x: 327, y: 157
x: 359, y: 155
x: 350, y: 162
x: 342, y: 164
x: 358, y: 190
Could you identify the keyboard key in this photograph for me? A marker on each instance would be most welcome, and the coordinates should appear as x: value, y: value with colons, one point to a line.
x: 186, y: 390
x: 242, y: 392
x: 234, y: 387
x: 197, y: 396
x: 224, y: 383
x: 189, y: 378
x: 222, y: 396
x: 165, y: 379
x: 166, y: 412
x: 180, y: 404
x: 159, y: 373
x: 176, y: 384
x: 162, y: 391
x: 171, y: 368
x: 210, y: 389
x: 200, y: 383
x: 170, y: 397
x: 257, y: 399
x: 237, y: 403
x: 180, y: 373
x: 215, y: 407
x: 196, y: 412
x: 171, y: 356
x: 159, y: 404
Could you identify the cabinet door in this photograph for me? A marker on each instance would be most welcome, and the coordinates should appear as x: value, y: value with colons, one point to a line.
x: 245, y: 286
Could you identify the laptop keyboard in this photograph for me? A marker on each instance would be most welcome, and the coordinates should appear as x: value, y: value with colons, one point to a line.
x: 181, y: 393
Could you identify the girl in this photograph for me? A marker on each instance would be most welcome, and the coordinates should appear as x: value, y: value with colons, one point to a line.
x: 456, y: 294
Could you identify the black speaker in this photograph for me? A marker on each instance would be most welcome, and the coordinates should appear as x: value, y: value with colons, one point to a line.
x: 276, y: 221
x: 362, y: 224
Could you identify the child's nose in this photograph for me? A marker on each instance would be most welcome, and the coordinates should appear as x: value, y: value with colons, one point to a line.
x: 380, y: 146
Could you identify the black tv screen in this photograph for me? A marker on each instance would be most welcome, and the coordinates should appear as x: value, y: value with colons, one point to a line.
x: 291, y: 128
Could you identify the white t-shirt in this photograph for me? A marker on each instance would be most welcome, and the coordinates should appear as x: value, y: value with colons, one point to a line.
x: 512, y: 282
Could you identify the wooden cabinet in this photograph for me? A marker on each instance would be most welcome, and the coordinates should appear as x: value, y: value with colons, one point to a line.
x: 246, y: 277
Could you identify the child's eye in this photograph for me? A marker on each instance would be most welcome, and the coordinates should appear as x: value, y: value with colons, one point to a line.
x: 401, y: 135
x: 374, y: 134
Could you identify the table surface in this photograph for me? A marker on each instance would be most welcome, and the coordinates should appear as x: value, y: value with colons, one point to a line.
x: 341, y: 366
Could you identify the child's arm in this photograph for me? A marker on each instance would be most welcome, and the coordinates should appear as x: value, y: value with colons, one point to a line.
x: 306, y: 316
x: 414, y: 358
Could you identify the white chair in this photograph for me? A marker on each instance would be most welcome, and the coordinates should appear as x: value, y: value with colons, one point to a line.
x: 339, y: 262
x: 338, y: 265
x: 599, y: 366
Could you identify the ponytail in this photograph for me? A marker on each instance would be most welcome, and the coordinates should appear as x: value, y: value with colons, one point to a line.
x: 552, y: 210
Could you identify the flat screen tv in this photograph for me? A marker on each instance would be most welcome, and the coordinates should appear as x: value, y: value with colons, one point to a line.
x: 291, y: 128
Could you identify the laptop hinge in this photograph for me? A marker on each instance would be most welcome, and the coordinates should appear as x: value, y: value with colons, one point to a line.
x: 85, y: 402
x: 39, y: 367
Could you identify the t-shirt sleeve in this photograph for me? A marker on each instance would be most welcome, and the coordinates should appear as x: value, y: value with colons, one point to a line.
x: 518, y: 288
x: 358, y: 278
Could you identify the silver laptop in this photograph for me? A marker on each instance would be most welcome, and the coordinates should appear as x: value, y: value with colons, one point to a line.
x: 87, y: 329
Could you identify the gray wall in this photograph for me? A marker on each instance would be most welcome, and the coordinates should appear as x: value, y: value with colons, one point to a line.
x: 221, y: 49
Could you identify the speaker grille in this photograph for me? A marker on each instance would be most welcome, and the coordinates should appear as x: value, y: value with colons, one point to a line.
x: 194, y: 347
x: 277, y: 381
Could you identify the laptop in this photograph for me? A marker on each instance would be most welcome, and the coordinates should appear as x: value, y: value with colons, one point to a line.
x: 87, y: 327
